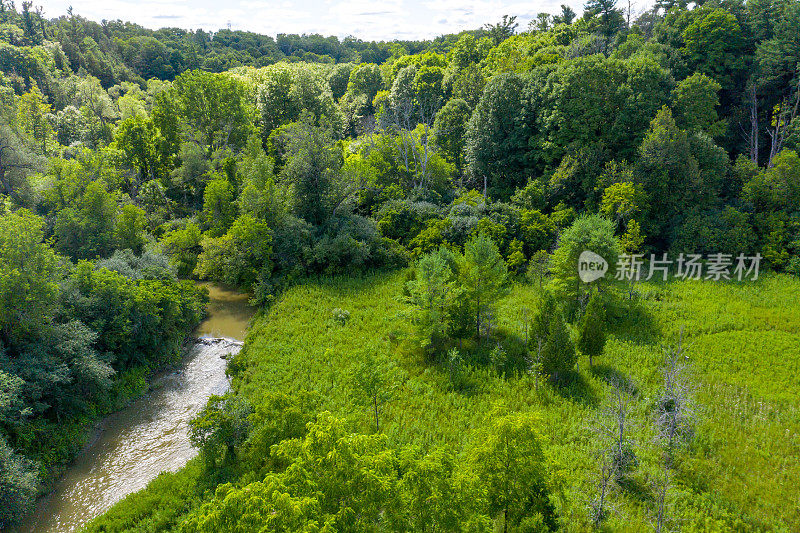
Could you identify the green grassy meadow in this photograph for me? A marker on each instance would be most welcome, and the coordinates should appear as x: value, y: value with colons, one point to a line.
x: 743, y: 342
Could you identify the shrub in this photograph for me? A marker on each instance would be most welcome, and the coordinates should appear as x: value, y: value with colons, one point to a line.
x: 149, y: 265
x: 221, y: 427
x: 18, y: 483
x: 182, y: 247
x: 340, y: 316
x: 243, y: 256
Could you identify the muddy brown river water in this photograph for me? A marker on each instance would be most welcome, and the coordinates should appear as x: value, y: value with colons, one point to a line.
x: 133, y: 446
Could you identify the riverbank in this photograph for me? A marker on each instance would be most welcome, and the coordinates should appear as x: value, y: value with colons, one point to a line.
x: 136, y: 444
x: 143, y: 405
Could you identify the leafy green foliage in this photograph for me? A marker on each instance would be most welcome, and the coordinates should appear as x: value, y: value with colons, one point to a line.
x: 87, y: 230
x: 433, y: 292
x: 148, y: 265
x: 329, y: 475
x: 182, y: 247
x: 550, y: 340
x: 220, y: 428
x: 286, y: 91
x: 714, y: 42
x: 496, y: 146
x: 129, y: 230
x: 142, y: 142
x: 138, y: 321
x: 19, y: 484
x: 450, y: 127
x: 694, y: 103
x: 219, y: 210
x: 214, y: 106
x: 591, y: 233
x: 28, y: 278
x: 511, y: 467
x: 240, y: 257
x: 483, y: 275
x: 311, y: 165
x: 373, y: 382
x: 591, y: 330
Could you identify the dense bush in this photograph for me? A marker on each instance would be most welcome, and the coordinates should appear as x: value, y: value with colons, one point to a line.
x: 138, y: 321
x: 67, y: 331
x: 18, y: 484
x: 148, y: 265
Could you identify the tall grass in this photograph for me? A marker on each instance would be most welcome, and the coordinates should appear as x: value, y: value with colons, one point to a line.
x: 739, y: 474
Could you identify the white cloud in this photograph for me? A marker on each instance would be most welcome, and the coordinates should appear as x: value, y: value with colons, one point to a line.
x: 366, y: 19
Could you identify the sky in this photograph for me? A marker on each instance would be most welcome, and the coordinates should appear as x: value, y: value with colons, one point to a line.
x: 365, y: 19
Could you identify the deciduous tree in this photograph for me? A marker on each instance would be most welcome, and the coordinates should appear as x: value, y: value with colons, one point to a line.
x: 483, y: 276
x: 432, y: 293
x: 511, y: 469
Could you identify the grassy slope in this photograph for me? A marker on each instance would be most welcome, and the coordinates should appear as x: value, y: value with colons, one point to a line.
x: 744, y: 343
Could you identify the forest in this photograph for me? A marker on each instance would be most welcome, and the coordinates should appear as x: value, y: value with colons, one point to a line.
x: 408, y: 216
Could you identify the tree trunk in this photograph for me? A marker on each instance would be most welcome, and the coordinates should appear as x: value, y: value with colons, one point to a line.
x: 601, y: 504
x: 662, y: 496
x: 753, y: 140
x: 478, y: 320
x: 377, y: 426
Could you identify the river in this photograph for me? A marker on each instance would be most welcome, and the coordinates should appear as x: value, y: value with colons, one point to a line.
x: 134, y: 445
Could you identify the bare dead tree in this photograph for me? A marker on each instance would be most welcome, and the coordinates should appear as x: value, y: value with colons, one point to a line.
x: 674, y: 421
x: 406, y: 113
x: 618, y: 417
x: 618, y: 457
x: 369, y: 125
x: 752, y: 136
x: 403, y: 114
x: 662, y: 491
x: 42, y: 27
x: 785, y: 112
x: 599, y: 506
x: 675, y: 411
x: 628, y: 15
x: 366, y: 122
